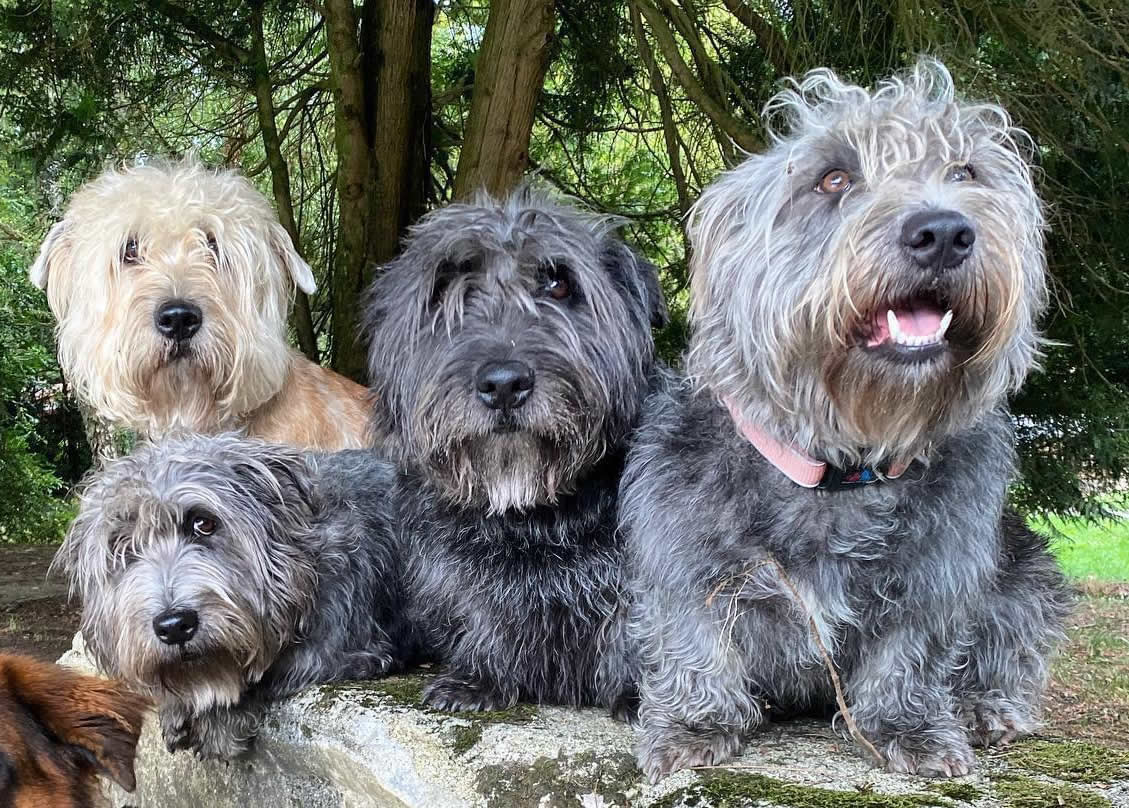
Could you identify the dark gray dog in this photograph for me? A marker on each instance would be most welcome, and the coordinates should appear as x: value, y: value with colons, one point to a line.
x: 221, y: 573
x: 510, y: 352
x: 864, y: 297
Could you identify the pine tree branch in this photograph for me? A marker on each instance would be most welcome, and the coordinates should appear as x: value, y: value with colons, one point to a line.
x: 233, y: 53
x: 733, y: 128
x: 768, y: 37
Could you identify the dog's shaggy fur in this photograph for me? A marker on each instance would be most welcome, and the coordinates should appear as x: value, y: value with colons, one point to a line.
x: 821, y: 270
x: 59, y: 731
x: 171, y: 284
x: 510, y: 350
x: 221, y: 572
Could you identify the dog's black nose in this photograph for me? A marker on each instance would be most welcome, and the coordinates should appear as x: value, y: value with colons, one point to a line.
x: 504, y: 385
x: 178, y: 319
x: 938, y: 239
x: 176, y: 626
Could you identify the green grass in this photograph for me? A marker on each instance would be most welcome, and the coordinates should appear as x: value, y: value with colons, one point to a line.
x: 1087, y: 550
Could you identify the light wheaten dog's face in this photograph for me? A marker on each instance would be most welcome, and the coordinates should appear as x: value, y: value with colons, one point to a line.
x: 171, y: 285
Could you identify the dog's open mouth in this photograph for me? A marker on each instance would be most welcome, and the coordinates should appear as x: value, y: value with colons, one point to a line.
x: 914, y: 329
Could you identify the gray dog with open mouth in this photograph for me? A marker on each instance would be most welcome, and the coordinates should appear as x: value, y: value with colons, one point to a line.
x: 834, y: 475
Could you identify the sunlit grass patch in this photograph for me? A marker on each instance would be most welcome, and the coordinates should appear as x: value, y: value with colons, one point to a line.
x: 1087, y: 550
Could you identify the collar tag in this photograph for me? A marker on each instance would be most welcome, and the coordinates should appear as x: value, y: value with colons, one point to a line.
x: 836, y: 479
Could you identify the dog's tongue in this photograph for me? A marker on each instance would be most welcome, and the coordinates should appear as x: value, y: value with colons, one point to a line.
x: 917, y: 320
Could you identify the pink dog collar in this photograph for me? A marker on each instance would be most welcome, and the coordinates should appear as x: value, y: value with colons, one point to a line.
x: 801, y: 468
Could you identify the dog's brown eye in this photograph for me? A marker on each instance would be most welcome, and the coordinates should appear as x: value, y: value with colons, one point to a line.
x: 961, y: 174
x: 203, y: 526
x: 129, y: 252
x: 558, y: 281
x: 212, y: 245
x: 834, y: 181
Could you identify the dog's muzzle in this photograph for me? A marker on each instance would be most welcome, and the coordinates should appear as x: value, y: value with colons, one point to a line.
x: 176, y: 626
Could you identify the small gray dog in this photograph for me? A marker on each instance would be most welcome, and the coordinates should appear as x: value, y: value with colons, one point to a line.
x: 829, y: 488
x: 221, y: 573
x: 511, y: 349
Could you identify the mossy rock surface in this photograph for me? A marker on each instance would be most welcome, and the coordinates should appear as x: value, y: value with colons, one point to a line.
x: 731, y: 789
x: 1074, y: 761
x: 1027, y: 792
x: 406, y: 690
x: 957, y: 792
x: 559, y: 782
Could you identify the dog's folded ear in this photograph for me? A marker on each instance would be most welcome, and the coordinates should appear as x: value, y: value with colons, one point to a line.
x: 99, y: 718
x: 640, y: 277
x: 273, y: 473
x: 656, y: 301
x: 299, y: 270
x: 49, y: 253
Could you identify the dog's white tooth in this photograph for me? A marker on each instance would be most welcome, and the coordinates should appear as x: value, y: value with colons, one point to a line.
x: 946, y: 321
x: 892, y: 322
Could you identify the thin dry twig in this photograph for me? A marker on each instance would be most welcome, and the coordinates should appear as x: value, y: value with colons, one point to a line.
x: 836, y: 683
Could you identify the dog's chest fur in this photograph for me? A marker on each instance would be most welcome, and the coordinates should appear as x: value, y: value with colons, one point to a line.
x: 522, y: 589
x: 860, y: 558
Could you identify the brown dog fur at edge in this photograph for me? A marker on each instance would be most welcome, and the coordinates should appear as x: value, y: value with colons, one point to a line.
x: 59, y: 731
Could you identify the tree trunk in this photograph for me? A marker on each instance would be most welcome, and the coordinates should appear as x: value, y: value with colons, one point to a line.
x: 354, y: 182
x: 381, y: 77
x: 279, y: 174
x: 398, y: 58
x: 508, y: 79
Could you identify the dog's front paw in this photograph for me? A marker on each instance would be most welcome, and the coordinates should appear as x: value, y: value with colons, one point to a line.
x: 224, y: 733
x: 217, y: 747
x: 929, y: 758
x: 668, y: 751
x: 367, y: 665
x: 219, y: 743
x: 454, y: 692
x: 625, y: 706
x: 176, y: 729
x: 996, y: 721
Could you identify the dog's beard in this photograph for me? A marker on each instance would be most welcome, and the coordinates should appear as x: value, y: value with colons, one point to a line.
x: 515, y: 470
x: 896, y: 385
x: 213, y: 679
x: 502, y: 461
x: 229, y: 651
x: 180, y: 394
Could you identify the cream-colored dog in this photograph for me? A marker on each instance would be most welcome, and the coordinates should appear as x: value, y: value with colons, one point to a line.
x: 171, y: 283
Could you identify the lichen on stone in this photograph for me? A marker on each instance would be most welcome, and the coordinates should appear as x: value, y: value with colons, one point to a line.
x: 559, y: 782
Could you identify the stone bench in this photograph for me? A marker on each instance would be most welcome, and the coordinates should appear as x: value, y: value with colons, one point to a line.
x: 368, y: 745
